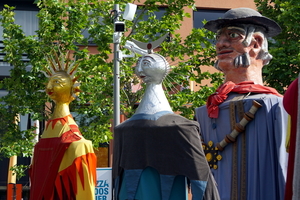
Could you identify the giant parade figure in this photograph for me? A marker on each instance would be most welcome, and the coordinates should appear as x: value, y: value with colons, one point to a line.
x: 64, y: 163
x: 156, y: 151
x: 291, y: 105
x: 243, y: 124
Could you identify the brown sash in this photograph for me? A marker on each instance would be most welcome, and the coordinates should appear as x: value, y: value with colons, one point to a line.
x: 235, y: 183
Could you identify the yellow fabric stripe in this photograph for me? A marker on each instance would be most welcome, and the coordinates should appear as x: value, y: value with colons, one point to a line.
x: 288, y: 135
x: 58, y: 129
x: 75, y: 150
x: 88, y: 192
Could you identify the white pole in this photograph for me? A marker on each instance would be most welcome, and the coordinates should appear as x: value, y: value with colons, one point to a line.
x: 116, y: 95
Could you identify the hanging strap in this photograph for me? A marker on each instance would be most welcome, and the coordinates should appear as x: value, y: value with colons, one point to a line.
x: 240, y: 108
x: 234, y: 180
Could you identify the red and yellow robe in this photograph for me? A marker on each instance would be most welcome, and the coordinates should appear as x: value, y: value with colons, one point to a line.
x: 64, y: 163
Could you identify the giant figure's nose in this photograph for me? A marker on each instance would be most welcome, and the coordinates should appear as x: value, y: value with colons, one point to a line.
x: 222, y: 41
x: 139, y: 67
x: 49, y: 85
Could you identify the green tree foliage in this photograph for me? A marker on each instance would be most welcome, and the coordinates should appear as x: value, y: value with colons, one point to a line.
x: 284, y: 67
x: 61, y: 26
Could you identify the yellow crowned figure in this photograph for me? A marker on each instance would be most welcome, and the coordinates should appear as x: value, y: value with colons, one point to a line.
x: 64, y: 163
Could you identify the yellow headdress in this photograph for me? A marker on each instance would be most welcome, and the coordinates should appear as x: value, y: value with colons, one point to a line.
x: 63, y: 63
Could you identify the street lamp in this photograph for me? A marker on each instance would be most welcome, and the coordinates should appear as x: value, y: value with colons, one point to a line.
x: 119, y: 28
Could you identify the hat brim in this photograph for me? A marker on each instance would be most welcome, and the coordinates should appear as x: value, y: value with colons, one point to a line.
x: 272, y: 28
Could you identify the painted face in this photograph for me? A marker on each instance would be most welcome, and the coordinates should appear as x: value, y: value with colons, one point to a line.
x: 59, y: 87
x: 230, y: 45
x: 151, y: 69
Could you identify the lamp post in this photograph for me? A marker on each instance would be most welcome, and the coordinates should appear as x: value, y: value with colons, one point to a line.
x: 119, y: 28
x: 116, y: 94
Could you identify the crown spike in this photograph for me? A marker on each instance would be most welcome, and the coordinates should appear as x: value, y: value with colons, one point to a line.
x: 74, y: 70
x: 53, y: 67
x: 67, y: 61
x: 70, y: 67
x: 76, y: 84
x: 56, y: 58
x: 47, y: 73
x: 75, y: 79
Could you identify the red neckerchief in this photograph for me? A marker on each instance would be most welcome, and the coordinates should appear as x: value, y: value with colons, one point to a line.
x: 220, y: 95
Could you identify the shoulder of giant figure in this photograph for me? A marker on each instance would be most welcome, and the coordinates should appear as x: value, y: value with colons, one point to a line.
x: 290, y: 97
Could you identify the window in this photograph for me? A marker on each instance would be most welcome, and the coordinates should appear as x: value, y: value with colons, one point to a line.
x: 20, y: 4
x: 206, y: 14
x: 28, y: 21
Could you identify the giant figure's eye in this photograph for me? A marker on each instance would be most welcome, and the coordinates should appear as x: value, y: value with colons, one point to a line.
x: 233, y: 35
x: 146, y: 63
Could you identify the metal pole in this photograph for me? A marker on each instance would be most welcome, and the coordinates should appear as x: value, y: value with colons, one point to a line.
x: 116, y: 95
